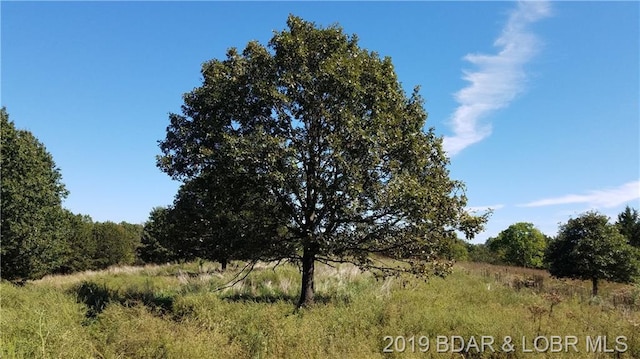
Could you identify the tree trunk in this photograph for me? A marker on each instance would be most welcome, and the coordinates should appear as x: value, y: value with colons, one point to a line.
x: 594, y: 282
x: 223, y: 264
x: 308, y: 266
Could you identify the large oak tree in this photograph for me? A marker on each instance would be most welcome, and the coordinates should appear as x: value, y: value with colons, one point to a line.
x: 318, y: 135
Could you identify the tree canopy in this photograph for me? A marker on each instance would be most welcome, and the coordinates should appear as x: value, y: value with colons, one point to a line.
x: 320, y: 154
x: 116, y: 243
x: 32, y: 192
x: 521, y: 244
x: 81, y: 250
x: 629, y: 225
x: 156, y: 240
x: 590, y: 248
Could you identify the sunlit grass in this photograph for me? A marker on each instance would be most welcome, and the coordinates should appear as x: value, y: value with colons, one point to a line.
x: 180, y: 311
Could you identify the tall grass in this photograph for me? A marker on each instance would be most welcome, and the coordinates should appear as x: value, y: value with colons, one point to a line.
x: 177, y: 311
x: 42, y: 322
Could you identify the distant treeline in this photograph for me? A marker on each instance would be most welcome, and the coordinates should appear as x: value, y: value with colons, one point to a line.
x: 98, y: 245
x: 39, y: 236
x: 523, y: 245
x: 587, y: 247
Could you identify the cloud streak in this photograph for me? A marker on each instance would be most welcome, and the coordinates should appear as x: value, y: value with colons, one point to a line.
x: 497, y: 79
x: 606, y: 198
x: 475, y: 209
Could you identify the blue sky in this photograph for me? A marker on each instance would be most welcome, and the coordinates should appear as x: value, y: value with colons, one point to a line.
x: 538, y: 102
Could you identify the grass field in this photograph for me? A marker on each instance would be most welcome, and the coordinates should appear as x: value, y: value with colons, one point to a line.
x: 173, y: 311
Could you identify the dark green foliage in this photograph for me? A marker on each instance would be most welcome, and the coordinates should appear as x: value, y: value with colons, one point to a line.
x: 220, y: 219
x: 590, y: 248
x: 115, y: 243
x: 310, y: 150
x: 455, y: 249
x: 521, y: 245
x: 481, y: 253
x: 629, y: 225
x: 32, y: 191
x: 157, y: 238
x: 133, y: 234
x: 81, y: 250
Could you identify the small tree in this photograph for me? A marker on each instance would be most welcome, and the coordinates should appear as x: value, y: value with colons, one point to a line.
x: 590, y: 248
x: 455, y: 249
x: 629, y: 225
x: 115, y: 243
x: 521, y: 245
x: 156, y: 238
x: 81, y: 245
x: 221, y: 218
x: 330, y: 151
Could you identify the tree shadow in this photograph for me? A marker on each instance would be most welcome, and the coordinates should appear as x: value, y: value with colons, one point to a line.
x: 97, y: 296
x: 260, y: 298
x: 158, y: 303
x: 321, y: 299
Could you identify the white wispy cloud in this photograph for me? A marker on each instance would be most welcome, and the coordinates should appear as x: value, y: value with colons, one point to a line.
x: 606, y: 198
x: 494, y: 207
x: 497, y: 79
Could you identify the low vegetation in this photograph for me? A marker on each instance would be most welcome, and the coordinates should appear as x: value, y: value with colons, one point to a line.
x: 176, y: 311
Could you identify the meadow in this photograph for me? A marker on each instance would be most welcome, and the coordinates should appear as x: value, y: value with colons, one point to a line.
x: 175, y: 311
